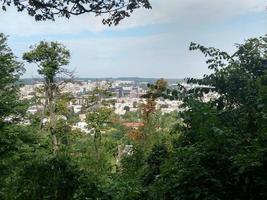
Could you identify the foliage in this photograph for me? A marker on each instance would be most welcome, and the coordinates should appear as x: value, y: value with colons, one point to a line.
x: 147, y: 109
x: 220, y: 153
x: 49, y: 9
x: 17, y: 144
x: 62, y: 103
x: 15, y: 141
x: 214, y: 149
x: 11, y: 70
x: 98, y: 120
x: 157, y: 90
x: 49, y: 57
x: 127, y: 180
x: 131, y: 116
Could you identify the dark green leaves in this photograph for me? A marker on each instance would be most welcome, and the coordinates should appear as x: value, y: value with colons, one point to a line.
x: 115, y: 10
x: 10, y: 71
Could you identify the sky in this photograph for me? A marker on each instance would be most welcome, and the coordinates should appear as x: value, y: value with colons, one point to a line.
x: 151, y: 43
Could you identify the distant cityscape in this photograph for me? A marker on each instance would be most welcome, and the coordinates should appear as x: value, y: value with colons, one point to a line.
x: 127, y: 95
x: 31, y: 81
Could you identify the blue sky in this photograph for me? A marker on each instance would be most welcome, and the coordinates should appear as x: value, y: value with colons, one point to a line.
x: 151, y: 43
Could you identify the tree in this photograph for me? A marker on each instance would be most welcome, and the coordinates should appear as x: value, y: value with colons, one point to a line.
x: 62, y: 103
x: 221, y: 152
x: 126, y: 108
x: 11, y: 70
x: 158, y: 89
x: 116, y: 10
x: 155, y: 160
x: 99, y: 120
x: 148, y: 109
x: 240, y: 82
x: 161, y: 85
x: 98, y: 97
x: 16, y: 141
x: 50, y: 57
x: 98, y: 115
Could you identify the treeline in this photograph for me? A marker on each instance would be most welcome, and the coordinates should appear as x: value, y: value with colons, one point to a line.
x: 214, y: 149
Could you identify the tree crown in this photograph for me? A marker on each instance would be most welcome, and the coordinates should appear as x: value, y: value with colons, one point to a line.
x: 50, y: 57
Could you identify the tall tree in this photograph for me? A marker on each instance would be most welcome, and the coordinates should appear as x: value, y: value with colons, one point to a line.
x: 115, y: 10
x: 50, y: 57
x: 16, y: 141
x: 10, y: 70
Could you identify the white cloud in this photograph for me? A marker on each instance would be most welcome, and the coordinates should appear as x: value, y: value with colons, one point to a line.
x: 160, y: 55
x: 183, y: 11
x: 197, y: 10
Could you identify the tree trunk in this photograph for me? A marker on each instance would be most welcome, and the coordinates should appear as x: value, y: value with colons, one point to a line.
x: 52, y: 115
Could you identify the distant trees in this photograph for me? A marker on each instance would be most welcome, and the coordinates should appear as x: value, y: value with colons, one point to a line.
x: 115, y: 10
x: 157, y: 90
x: 161, y: 85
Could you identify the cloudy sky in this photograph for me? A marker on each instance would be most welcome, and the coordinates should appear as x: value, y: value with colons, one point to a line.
x: 151, y: 43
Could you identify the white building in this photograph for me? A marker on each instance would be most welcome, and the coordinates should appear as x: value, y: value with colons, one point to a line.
x: 77, y: 108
